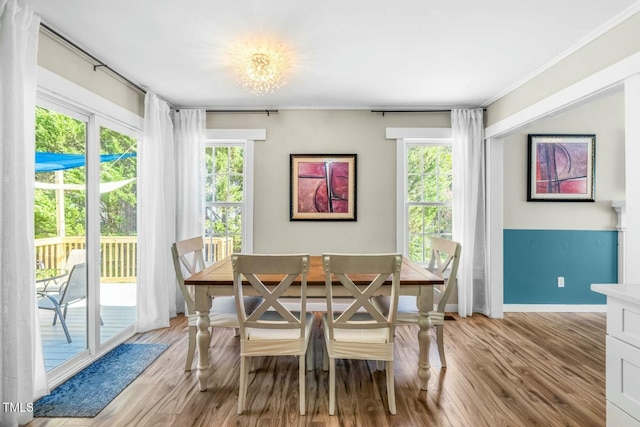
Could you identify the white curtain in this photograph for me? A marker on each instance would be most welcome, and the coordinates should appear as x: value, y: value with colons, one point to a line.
x: 469, y: 209
x: 22, y: 376
x: 189, y: 140
x: 156, y: 218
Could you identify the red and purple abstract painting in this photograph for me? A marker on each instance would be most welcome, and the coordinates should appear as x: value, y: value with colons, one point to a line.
x: 561, y: 167
x: 323, y: 188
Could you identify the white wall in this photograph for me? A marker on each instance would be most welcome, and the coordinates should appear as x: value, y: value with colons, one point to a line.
x: 613, y: 46
x: 325, y: 132
x: 602, y: 116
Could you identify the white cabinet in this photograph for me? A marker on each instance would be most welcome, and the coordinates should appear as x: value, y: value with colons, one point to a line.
x: 623, y: 354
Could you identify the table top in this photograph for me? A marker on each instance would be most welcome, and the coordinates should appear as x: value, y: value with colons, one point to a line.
x: 221, y: 274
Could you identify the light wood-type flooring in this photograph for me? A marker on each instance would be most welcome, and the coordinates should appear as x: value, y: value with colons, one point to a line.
x: 528, y: 369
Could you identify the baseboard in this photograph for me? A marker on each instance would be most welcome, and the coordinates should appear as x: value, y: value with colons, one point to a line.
x: 558, y: 308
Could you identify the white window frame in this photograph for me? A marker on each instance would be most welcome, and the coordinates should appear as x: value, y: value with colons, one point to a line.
x: 405, y: 137
x: 245, y: 138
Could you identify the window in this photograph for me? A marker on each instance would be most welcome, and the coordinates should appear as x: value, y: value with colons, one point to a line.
x: 425, y: 194
x: 227, y: 199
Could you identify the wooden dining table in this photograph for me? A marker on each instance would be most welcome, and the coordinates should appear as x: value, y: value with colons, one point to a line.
x: 217, y: 280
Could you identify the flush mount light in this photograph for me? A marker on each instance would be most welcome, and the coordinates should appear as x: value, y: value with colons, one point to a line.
x: 260, y: 66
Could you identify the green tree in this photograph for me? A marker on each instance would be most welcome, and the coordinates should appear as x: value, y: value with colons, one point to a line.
x: 58, y: 133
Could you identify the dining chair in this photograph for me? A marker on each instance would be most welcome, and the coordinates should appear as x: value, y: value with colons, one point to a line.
x: 445, y: 255
x: 188, y: 259
x: 273, y: 329
x: 362, y: 330
x: 75, y: 256
x: 74, y: 290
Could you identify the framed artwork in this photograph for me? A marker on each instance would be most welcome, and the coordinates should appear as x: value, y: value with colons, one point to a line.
x: 323, y: 187
x: 561, y: 168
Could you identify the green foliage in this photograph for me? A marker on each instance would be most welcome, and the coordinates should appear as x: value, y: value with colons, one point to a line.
x: 118, y: 207
x: 58, y: 133
x: 224, y: 190
x: 429, y: 192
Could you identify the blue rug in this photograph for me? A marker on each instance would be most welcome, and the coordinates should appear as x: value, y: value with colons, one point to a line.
x: 93, y: 388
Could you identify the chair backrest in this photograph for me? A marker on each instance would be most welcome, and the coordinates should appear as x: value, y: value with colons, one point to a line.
x: 362, y: 276
x: 76, y: 287
x: 272, y: 277
x: 76, y: 256
x: 188, y: 259
x: 444, y: 254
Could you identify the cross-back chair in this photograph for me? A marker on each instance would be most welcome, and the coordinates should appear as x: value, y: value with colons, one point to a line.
x: 445, y: 255
x: 273, y: 328
x: 188, y: 259
x: 362, y: 330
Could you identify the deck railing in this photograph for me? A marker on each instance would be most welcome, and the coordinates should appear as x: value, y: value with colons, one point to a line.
x: 117, y: 254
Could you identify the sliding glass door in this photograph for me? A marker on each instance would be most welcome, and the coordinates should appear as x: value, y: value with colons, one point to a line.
x: 60, y: 220
x: 86, y: 236
x: 118, y: 232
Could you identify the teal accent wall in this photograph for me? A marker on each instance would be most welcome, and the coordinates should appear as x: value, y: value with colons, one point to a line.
x: 534, y: 259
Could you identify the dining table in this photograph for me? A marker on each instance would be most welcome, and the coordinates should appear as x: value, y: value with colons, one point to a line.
x: 216, y: 280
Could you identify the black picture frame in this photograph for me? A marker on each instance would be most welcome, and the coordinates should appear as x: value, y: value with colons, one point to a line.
x: 561, y: 168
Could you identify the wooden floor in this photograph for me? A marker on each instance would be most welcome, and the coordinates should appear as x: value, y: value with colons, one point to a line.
x: 528, y: 369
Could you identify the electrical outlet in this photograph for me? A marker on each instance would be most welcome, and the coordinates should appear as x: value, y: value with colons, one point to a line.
x: 561, y: 282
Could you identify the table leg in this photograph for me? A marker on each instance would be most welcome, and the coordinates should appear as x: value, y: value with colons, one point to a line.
x: 425, y: 306
x: 203, y: 337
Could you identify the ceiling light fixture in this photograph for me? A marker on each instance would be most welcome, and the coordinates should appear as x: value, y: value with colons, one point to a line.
x: 260, y: 67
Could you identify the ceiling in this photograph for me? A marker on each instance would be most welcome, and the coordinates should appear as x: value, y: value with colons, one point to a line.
x: 346, y: 53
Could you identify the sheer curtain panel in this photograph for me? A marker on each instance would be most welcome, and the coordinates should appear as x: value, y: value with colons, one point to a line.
x: 469, y: 204
x: 189, y: 140
x: 22, y: 375
x: 156, y: 219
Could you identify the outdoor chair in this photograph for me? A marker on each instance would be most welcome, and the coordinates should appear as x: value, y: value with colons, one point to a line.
x: 74, y: 290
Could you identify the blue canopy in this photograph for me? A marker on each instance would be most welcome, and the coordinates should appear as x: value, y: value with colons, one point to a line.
x: 49, y: 162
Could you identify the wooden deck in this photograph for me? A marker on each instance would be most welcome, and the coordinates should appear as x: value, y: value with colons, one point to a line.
x: 118, y: 311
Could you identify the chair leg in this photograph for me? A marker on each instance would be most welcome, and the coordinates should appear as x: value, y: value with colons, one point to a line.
x: 191, y: 350
x: 301, y: 381
x: 244, y: 379
x: 325, y: 359
x: 440, y: 339
x: 63, y: 323
x: 332, y: 386
x: 380, y: 365
x: 391, y: 392
x: 309, y: 355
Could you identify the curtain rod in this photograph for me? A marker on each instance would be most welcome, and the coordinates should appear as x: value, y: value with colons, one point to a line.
x: 267, y: 112
x: 416, y: 111
x: 99, y: 63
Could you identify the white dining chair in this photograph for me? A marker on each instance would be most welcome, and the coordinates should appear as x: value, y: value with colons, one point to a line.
x: 362, y: 330
x: 188, y: 258
x: 443, y: 261
x: 273, y: 329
